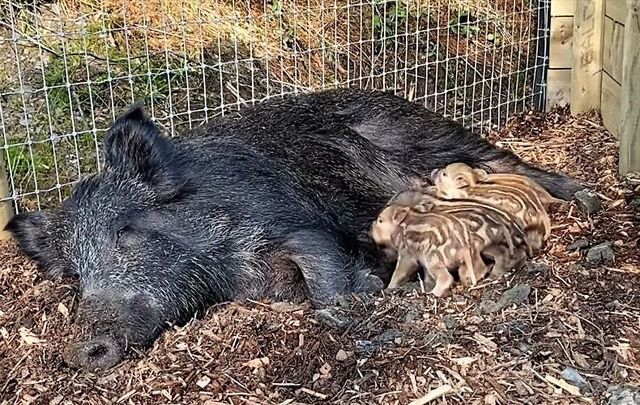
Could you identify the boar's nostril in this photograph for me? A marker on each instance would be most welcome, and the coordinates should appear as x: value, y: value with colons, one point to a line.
x: 96, y: 354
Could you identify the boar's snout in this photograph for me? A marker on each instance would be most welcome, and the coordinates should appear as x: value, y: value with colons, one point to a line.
x: 99, y: 353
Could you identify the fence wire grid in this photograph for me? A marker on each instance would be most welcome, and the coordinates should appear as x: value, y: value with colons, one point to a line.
x: 69, y: 67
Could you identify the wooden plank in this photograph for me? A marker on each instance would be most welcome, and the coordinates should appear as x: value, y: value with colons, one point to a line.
x: 617, y: 10
x: 5, y: 207
x: 562, y: 8
x: 610, y: 104
x: 586, y: 77
x: 558, y: 88
x: 630, y: 106
x: 560, y: 53
x: 613, y: 48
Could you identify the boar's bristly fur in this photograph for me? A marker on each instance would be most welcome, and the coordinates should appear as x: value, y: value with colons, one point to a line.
x: 273, y: 202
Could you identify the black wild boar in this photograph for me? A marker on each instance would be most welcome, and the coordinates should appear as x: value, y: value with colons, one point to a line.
x: 273, y: 202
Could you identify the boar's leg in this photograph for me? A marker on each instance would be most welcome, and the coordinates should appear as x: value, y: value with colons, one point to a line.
x: 327, y: 269
x: 557, y: 184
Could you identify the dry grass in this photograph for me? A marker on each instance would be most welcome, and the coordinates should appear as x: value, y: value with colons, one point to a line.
x: 396, y: 346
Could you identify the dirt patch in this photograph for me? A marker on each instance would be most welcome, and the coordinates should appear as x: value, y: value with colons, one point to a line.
x: 510, y: 341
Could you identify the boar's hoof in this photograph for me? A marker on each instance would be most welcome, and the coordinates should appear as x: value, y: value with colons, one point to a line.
x: 98, y: 353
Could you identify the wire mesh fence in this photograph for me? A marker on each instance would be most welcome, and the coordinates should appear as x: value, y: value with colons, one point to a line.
x: 69, y: 67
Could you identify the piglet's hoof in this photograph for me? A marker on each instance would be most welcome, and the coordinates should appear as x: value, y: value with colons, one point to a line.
x: 98, y: 353
x: 441, y: 291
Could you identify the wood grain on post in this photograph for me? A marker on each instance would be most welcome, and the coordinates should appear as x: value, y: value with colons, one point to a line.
x: 630, y: 103
x: 586, y: 75
x: 5, y: 206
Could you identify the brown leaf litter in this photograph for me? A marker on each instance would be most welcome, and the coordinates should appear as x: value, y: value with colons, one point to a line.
x: 509, y: 341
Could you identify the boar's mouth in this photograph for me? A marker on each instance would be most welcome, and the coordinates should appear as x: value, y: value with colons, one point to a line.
x: 98, y: 353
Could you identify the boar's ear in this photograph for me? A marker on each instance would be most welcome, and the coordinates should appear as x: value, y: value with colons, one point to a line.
x: 32, y: 231
x: 134, y: 145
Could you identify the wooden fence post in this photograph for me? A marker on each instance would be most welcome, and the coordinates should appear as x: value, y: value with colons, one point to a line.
x: 630, y: 108
x: 5, y: 207
x: 586, y: 73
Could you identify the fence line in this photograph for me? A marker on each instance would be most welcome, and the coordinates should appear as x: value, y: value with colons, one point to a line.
x: 70, y: 66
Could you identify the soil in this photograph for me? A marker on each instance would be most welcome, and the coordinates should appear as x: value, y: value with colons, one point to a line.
x: 558, y: 331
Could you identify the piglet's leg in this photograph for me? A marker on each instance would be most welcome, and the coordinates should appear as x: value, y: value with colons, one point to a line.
x: 405, y: 268
x: 472, y: 268
x: 503, y: 261
x: 440, y: 273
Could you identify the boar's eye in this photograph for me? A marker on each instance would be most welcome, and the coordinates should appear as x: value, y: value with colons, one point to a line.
x: 122, y: 233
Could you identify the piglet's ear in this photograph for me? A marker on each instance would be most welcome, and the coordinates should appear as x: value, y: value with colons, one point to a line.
x: 461, y: 181
x: 32, y: 230
x: 480, y: 174
x: 135, y: 147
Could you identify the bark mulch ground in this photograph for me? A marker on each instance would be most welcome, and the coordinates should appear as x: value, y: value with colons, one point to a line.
x: 561, y: 330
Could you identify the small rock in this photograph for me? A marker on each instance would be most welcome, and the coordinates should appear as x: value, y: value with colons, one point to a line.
x: 579, y: 244
x: 412, y: 314
x: 203, y: 382
x: 515, y: 295
x: 325, y: 369
x: 600, y: 254
x: 623, y: 395
x: 331, y: 317
x: 512, y: 329
x: 284, y: 307
x: 588, y: 201
x: 537, y: 268
x: 488, y: 306
x: 612, y: 305
x: 450, y: 322
x: 572, y: 376
x: 341, y: 355
x: 365, y: 347
x: 387, y: 337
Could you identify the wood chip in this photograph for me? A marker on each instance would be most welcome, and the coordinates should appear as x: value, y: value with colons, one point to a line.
x: 571, y: 389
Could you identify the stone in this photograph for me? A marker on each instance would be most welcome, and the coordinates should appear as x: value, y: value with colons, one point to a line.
x: 579, y: 244
x: 331, y: 317
x: 488, y: 306
x: 623, y: 395
x: 365, y: 347
x: 601, y: 254
x: 537, y: 268
x: 634, y: 205
x: 588, y: 201
x: 412, y: 314
x: 450, y: 322
x: 388, y: 337
x: 515, y: 295
x: 573, y: 377
x: 281, y: 307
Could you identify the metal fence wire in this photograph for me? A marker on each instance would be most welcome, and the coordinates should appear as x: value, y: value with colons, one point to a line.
x: 69, y: 67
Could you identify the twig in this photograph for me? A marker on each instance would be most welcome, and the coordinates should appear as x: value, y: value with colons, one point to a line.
x: 314, y: 393
x: 434, y: 394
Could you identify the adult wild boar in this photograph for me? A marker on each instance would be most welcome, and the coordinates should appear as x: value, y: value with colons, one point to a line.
x: 272, y: 202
